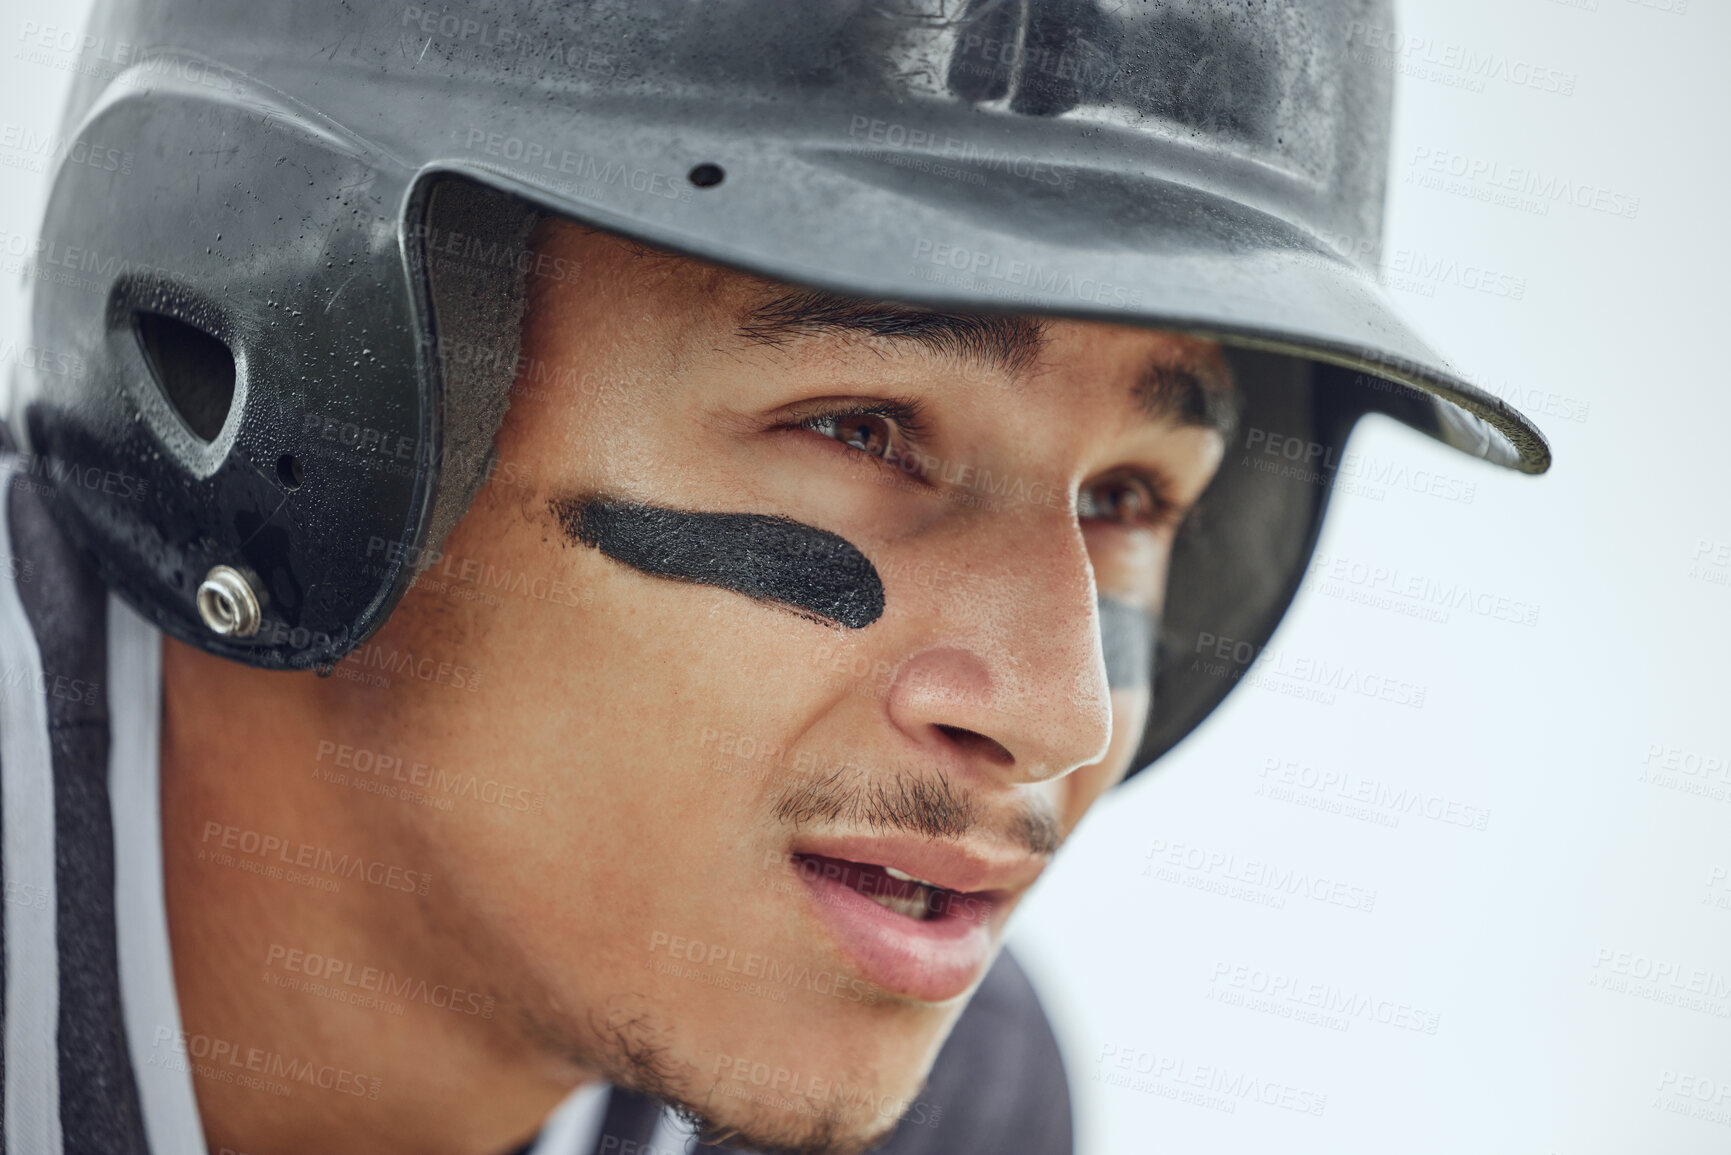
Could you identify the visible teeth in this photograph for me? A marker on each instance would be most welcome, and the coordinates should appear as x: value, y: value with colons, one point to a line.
x: 894, y: 873
x: 914, y: 907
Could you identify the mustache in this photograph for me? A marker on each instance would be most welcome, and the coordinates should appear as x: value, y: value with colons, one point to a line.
x: 927, y: 804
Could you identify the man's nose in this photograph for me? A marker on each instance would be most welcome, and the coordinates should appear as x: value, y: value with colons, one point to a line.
x: 1011, y: 679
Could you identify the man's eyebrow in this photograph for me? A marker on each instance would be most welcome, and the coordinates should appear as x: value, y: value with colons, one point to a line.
x: 1197, y: 393
x: 1008, y: 343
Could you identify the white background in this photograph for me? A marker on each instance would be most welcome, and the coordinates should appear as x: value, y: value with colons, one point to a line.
x: 1529, y: 944
x: 1498, y: 932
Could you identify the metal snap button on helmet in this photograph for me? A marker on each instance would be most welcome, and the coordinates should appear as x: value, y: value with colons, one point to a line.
x: 227, y: 604
x: 297, y: 307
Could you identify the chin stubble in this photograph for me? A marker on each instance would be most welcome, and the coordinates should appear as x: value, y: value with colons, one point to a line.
x: 632, y: 1047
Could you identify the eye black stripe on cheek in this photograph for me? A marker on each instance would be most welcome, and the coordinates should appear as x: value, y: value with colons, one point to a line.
x: 1127, y: 636
x: 775, y: 559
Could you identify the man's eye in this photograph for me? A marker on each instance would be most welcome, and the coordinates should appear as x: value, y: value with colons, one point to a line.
x: 866, y: 432
x: 1123, y: 501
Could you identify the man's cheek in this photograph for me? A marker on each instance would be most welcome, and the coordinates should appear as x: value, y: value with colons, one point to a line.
x: 1127, y: 641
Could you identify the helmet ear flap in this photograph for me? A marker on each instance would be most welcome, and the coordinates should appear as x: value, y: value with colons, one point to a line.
x: 1241, y: 555
x: 269, y: 422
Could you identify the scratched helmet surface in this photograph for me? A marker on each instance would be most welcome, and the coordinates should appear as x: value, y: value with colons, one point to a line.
x: 267, y: 270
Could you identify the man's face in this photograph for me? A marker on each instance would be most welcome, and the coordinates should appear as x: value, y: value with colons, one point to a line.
x: 749, y: 733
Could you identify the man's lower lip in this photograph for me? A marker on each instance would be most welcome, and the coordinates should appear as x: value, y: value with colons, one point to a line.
x: 932, y: 960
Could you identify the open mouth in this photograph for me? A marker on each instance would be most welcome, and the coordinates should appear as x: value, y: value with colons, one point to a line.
x: 892, y: 889
x: 905, y: 934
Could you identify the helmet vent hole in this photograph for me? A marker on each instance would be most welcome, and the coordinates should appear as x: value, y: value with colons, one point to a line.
x: 288, y: 471
x: 707, y: 175
x: 194, y: 370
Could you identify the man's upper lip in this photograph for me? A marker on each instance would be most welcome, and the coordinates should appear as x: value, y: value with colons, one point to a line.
x: 968, y: 867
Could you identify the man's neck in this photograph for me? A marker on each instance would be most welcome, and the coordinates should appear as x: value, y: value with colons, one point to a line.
x: 324, y: 1009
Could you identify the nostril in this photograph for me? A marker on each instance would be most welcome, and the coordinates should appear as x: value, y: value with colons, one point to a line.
x: 975, y: 743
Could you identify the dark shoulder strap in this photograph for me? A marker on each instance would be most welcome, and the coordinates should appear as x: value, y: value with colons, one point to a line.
x: 66, y: 607
x: 629, y: 1123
